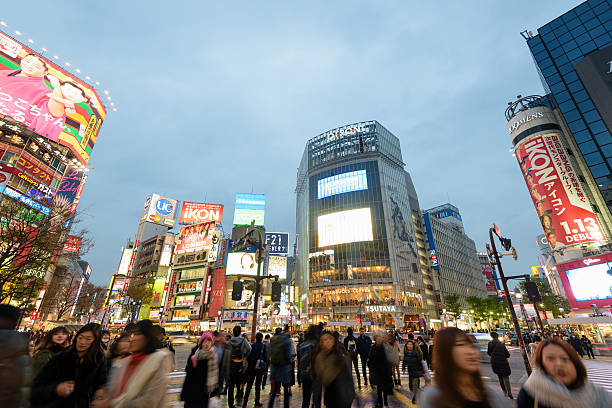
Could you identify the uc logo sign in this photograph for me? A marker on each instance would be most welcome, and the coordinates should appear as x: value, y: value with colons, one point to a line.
x: 164, y: 206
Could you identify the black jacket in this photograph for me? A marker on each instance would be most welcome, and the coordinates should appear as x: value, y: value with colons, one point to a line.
x: 380, y: 368
x: 340, y: 393
x: 363, y: 345
x: 524, y: 400
x: 194, y: 387
x: 346, y: 347
x: 499, y: 358
x: 65, y: 366
x: 258, y: 351
x: 425, y: 351
x: 412, y: 360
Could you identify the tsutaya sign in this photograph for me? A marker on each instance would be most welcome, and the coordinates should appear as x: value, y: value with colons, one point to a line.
x: 381, y: 308
x: 334, y: 134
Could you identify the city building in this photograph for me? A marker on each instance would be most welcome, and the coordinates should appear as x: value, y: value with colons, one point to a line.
x: 453, y: 254
x: 356, y: 250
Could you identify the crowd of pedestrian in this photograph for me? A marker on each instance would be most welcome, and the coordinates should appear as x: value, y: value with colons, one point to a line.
x: 88, y: 368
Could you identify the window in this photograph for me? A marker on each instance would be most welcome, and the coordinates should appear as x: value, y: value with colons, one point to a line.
x: 593, y: 158
x: 603, y: 138
x: 572, y: 115
x: 588, y: 47
x: 570, y: 77
x: 577, y: 126
x: 588, y: 147
x: 584, y: 38
x: 602, y: 40
x: 607, y: 150
x: 575, y: 86
x: 586, y: 106
x: 581, y: 96
x: 591, y: 116
x: 597, y: 127
x: 562, y: 97
x: 599, y: 170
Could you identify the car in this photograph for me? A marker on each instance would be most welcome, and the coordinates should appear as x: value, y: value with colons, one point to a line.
x: 179, y: 337
x: 482, y: 343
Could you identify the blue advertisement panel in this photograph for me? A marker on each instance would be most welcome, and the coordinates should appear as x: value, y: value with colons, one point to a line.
x: 342, y: 183
x: 277, y: 242
x: 249, y: 207
x: 432, y: 243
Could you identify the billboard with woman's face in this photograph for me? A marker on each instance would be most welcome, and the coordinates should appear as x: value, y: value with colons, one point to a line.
x: 48, y: 100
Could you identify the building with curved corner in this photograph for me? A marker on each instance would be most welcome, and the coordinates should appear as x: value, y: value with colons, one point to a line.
x: 357, y: 259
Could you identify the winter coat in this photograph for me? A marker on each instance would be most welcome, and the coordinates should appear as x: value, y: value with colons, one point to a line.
x: 576, y: 344
x: 194, y: 391
x: 258, y: 352
x: 281, y: 373
x: 430, y: 397
x: 340, y: 393
x: 148, y: 384
x: 346, y: 347
x: 499, y: 358
x: 14, y: 364
x: 380, y: 368
x: 425, y: 351
x: 65, y: 366
x: 412, y: 360
x: 550, y: 393
x: 42, y: 357
x: 225, y: 362
x: 363, y: 345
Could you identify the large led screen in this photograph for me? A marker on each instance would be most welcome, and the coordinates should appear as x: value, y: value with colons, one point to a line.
x: 344, y: 227
x: 48, y: 100
x: 588, y: 281
x: 249, y: 207
x: 241, y: 263
x: 342, y: 183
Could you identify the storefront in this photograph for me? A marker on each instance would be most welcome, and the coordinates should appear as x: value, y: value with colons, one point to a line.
x: 597, y: 329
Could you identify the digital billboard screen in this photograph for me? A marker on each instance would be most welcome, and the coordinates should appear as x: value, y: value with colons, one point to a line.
x: 249, y: 207
x: 195, y: 237
x: 277, y: 266
x: 342, y: 183
x: 48, y: 100
x: 345, y: 226
x: 241, y: 263
x: 193, y: 213
x: 565, y: 212
x: 277, y: 242
x: 588, y: 281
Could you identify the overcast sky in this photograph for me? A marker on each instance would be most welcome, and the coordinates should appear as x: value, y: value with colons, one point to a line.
x: 216, y: 99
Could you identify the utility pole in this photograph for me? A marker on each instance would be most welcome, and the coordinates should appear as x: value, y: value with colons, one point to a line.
x: 507, y: 246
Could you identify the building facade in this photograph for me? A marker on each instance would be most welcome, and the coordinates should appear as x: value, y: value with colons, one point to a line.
x: 453, y: 254
x: 357, y: 255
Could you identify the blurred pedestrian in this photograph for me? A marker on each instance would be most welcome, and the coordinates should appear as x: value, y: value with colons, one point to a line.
x: 424, y: 350
x: 396, y: 351
x: 106, y: 335
x: 364, y: 343
x: 257, y: 365
x: 499, y: 363
x: 559, y: 380
x: 51, y: 344
x: 74, y: 375
x: 140, y: 380
x: 201, y: 374
x: 224, y: 358
x: 458, y: 379
x: 280, y: 367
x: 587, y: 346
x: 576, y: 344
x: 240, y: 352
x: 413, y: 362
x: 118, y: 350
x: 266, y: 343
x: 14, y: 358
x: 311, y: 389
x: 332, y: 369
x: 381, y: 371
x: 350, y: 345
x: 533, y: 345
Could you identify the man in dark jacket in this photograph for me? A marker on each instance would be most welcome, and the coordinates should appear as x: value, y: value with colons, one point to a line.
x: 350, y: 344
x: 499, y: 363
x: 14, y: 357
x: 240, y: 350
x: 310, y: 387
x: 224, y: 352
x: 364, y: 343
x: 280, y: 367
x: 257, y: 364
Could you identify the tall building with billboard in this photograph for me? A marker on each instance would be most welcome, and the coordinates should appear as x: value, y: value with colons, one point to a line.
x: 356, y: 249
x: 453, y: 254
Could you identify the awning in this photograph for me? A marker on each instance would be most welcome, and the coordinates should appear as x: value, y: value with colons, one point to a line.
x: 581, y: 320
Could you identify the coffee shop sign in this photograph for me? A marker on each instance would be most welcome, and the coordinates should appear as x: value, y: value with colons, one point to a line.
x: 381, y: 308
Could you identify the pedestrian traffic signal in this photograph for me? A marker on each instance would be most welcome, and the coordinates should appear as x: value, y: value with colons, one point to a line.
x: 237, y: 290
x: 276, y: 291
x: 532, y: 291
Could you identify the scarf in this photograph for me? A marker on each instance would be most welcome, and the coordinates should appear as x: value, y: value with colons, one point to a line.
x: 327, y: 366
x: 135, y: 360
x: 210, y: 356
x: 550, y: 392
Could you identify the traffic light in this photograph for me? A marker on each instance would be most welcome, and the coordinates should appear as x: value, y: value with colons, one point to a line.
x: 276, y: 291
x: 532, y: 291
x: 506, y: 243
x: 237, y: 290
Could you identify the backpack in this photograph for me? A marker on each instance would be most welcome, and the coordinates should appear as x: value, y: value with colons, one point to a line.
x: 278, y: 357
x: 237, y: 352
x: 306, y: 350
x: 351, y: 346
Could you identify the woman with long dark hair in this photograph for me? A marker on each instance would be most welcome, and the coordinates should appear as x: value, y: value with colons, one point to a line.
x: 560, y: 380
x: 119, y: 349
x: 381, y: 369
x: 458, y: 382
x: 73, y: 376
x: 202, y: 374
x: 331, y: 366
x: 53, y: 342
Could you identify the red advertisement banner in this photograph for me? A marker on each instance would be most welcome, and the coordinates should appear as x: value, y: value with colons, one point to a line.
x: 195, y: 237
x: 217, y: 293
x: 34, y: 170
x: 587, y: 281
x: 564, y: 210
x: 73, y: 243
x: 487, y: 273
x: 192, y: 213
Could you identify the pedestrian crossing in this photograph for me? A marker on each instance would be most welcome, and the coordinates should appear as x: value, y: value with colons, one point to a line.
x: 599, y: 373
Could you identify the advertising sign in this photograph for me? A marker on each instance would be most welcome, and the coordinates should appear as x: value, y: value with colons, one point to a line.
x: 595, y: 72
x: 48, y: 100
x: 241, y: 263
x: 217, y: 293
x: 249, y: 207
x: 277, y: 265
x: 564, y: 210
x: 277, y: 242
x: 214, y: 247
x: 487, y: 273
x: 194, y: 213
x: 26, y: 200
x: 588, y: 281
x: 69, y: 187
x: 158, y: 292
x: 195, y: 237
x: 160, y: 210
x: 345, y: 226
x: 4, y: 179
x: 342, y: 183
x: 73, y: 243
x: 170, y: 291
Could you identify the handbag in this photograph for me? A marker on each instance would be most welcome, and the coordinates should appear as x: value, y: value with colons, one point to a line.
x: 261, y: 364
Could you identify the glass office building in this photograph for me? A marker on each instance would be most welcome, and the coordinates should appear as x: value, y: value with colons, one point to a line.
x: 572, y: 54
x: 357, y: 258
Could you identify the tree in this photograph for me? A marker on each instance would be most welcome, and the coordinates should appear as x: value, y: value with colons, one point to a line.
x: 140, y: 292
x: 92, y: 298
x: 452, y: 304
x: 550, y: 300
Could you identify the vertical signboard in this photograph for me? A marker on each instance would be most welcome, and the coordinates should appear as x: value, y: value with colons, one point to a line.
x: 487, y: 274
x: 277, y: 242
x: 217, y: 292
x: 432, y: 242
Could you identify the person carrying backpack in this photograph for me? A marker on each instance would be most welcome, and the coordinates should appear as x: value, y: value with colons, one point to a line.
x: 350, y: 344
x: 311, y: 389
x: 257, y: 366
x: 280, y: 366
x: 238, y: 365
